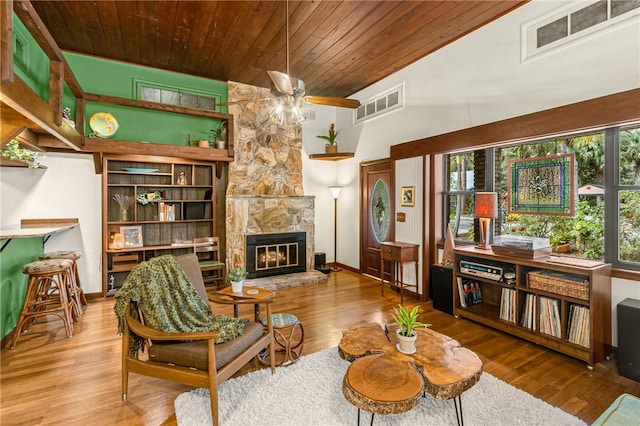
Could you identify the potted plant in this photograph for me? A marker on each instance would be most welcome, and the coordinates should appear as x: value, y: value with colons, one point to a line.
x: 407, y: 321
x: 13, y: 151
x: 331, y: 146
x: 220, y: 136
x: 237, y: 276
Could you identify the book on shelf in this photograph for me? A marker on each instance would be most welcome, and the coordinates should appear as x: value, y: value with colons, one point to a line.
x: 463, y: 298
x: 550, y: 316
x: 528, y: 311
x: 508, y: 305
x: 579, y: 326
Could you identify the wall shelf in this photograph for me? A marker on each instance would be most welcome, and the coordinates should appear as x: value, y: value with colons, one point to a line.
x: 337, y: 156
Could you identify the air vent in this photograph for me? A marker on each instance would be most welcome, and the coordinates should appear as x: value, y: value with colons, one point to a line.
x: 386, y: 102
x: 572, y: 22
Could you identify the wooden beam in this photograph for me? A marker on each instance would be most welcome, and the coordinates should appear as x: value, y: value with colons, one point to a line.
x: 9, y: 131
x: 111, y: 146
x: 30, y: 18
x: 97, y: 162
x: 56, y: 75
x: 25, y: 101
x: 600, y: 112
x: 6, y: 41
x: 105, y: 99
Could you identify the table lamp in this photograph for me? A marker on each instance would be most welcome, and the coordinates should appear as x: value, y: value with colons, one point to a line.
x: 486, y: 208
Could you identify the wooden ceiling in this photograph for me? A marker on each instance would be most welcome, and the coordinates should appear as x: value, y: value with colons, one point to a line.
x: 336, y: 47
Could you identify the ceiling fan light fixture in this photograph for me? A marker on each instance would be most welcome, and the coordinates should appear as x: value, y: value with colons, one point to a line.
x: 277, y: 114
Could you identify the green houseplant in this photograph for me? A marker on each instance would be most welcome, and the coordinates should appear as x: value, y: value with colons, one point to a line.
x: 331, y: 146
x: 407, y: 321
x: 237, y: 276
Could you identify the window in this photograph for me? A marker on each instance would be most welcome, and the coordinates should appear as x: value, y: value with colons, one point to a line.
x: 152, y: 92
x: 603, y: 201
x: 626, y: 194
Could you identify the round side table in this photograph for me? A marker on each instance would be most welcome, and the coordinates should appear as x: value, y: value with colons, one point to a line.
x: 288, y: 334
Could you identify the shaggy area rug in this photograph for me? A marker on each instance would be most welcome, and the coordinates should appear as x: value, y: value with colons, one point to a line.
x: 310, y: 393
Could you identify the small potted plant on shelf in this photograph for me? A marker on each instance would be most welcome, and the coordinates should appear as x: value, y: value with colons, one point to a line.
x: 332, y: 146
x: 237, y: 276
x: 407, y: 321
x: 12, y: 151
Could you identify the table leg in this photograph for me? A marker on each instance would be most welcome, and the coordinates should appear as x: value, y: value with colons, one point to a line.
x: 382, y: 275
x: 417, y: 292
x: 457, y: 403
x: 256, y: 310
x: 401, y: 283
x: 236, y: 311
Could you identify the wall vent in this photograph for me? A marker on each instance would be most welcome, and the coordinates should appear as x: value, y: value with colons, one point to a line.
x: 383, y: 103
x: 572, y: 22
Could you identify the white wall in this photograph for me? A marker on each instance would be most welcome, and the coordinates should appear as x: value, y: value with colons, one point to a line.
x: 68, y: 188
x: 479, y: 79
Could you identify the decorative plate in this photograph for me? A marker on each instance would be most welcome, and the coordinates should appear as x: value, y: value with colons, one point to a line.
x: 103, y: 124
x: 135, y: 170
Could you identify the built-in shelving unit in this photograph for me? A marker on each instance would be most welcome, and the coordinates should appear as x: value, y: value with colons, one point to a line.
x: 561, y: 303
x: 168, y: 225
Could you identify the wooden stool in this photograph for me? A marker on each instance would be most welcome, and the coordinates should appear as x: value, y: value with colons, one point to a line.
x: 47, y: 293
x: 78, y: 293
x: 380, y: 385
x: 289, y: 343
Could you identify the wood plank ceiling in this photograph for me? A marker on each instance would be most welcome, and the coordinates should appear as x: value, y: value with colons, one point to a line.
x: 336, y: 47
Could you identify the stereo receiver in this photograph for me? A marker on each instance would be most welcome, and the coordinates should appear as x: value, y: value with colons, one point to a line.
x: 480, y: 270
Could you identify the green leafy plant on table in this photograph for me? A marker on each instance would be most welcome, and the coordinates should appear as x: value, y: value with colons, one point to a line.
x: 237, y: 274
x: 407, y: 320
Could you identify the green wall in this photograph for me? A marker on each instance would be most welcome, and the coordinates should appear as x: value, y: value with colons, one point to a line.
x: 106, y: 77
x: 13, y: 283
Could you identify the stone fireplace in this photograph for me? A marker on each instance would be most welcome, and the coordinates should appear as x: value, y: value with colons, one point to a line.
x: 265, y: 194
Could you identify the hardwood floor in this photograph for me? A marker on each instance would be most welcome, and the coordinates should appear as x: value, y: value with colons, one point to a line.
x: 50, y: 379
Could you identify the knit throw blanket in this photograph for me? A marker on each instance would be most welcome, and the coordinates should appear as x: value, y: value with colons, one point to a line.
x: 169, y: 303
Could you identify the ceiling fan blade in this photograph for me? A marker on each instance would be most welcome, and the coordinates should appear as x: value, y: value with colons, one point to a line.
x: 244, y: 101
x: 333, y: 101
x: 281, y: 81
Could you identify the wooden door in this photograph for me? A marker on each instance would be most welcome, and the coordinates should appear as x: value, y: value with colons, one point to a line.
x: 377, y: 218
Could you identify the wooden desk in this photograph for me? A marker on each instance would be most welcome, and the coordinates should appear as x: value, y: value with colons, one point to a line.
x: 398, y: 253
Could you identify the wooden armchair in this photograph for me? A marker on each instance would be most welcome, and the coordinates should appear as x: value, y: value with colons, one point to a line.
x: 192, y: 358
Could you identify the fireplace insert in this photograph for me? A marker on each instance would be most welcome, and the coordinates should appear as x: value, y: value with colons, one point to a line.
x: 275, y: 254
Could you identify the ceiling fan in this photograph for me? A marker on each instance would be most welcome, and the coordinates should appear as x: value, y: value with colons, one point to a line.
x: 289, y: 93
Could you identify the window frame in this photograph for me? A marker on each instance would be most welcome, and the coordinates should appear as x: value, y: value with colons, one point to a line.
x: 612, y: 187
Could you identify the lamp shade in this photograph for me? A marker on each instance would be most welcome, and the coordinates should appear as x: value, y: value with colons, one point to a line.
x: 335, y: 190
x: 486, y: 204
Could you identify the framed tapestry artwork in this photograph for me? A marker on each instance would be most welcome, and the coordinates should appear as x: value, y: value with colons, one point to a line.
x: 132, y: 236
x: 407, y: 196
x: 542, y: 185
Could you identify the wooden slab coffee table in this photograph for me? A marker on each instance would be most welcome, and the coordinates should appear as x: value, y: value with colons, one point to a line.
x: 382, y: 380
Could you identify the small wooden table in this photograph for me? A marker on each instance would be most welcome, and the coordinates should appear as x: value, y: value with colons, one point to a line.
x: 247, y: 293
x: 398, y: 253
x: 382, y: 380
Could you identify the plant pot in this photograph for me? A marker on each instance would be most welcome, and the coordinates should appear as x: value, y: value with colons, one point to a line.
x: 331, y: 149
x: 203, y: 143
x: 221, y: 144
x: 562, y: 248
x: 236, y: 286
x: 406, y: 345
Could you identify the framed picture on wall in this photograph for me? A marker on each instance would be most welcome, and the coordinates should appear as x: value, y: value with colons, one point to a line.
x: 132, y: 236
x: 407, y: 196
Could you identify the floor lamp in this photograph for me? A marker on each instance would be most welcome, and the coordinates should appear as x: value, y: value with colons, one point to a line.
x: 486, y: 208
x: 335, y: 192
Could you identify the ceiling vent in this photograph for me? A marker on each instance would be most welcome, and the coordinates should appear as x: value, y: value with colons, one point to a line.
x: 575, y: 21
x: 386, y: 102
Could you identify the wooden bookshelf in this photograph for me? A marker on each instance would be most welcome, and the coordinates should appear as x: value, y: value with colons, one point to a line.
x: 578, y: 300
